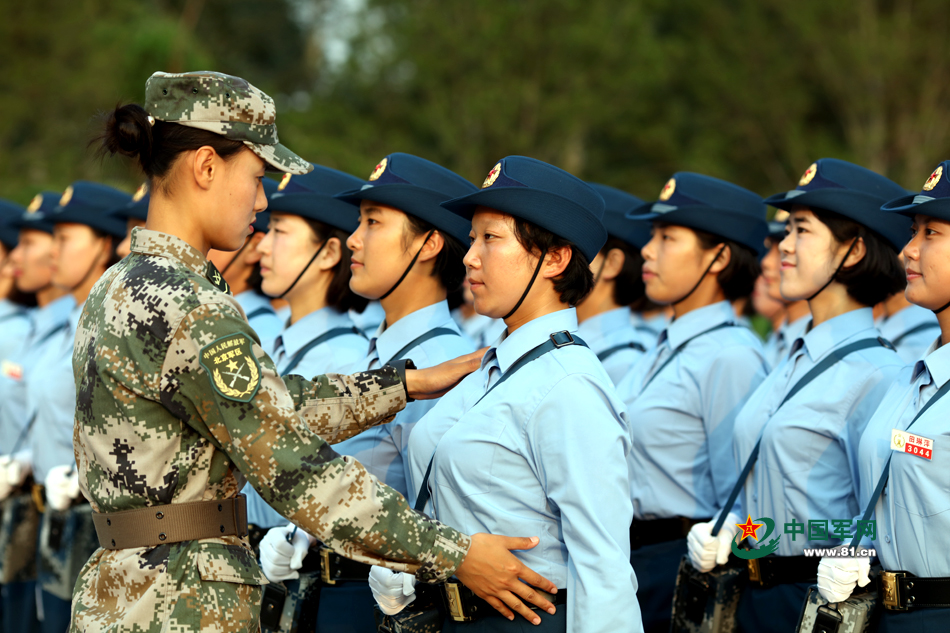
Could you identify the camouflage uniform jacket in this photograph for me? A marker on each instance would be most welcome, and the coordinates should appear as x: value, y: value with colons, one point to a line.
x: 177, y: 402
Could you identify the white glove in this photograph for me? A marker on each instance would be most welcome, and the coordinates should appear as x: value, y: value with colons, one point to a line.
x: 5, y: 487
x: 281, y: 559
x: 705, y: 550
x: 838, y: 576
x: 12, y: 474
x: 62, y: 486
x: 392, y: 590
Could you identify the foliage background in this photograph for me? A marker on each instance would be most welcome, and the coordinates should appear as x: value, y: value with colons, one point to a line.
x: 623, y: 92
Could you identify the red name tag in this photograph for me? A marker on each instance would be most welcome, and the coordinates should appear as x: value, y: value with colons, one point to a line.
x: 905, y: 442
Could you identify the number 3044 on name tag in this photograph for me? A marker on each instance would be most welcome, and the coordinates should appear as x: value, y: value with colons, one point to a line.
x: 912, y: 444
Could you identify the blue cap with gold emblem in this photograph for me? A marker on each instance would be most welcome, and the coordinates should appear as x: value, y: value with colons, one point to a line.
x: 38, y: 212
x: 418, y: 187
x: 311, y: 196
x: 10, y: 212
x: 545, y: 195
x: 852, y: 191
x: 712, y: 205
x: 89, y: 203
x: 933, y: 200
x: 616, y: 205
x: 136, y: 209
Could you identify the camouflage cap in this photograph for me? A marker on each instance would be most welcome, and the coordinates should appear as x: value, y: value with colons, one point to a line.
x: 225, y: 105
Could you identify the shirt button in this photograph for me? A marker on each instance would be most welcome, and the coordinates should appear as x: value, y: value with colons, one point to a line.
x: 887, y: 538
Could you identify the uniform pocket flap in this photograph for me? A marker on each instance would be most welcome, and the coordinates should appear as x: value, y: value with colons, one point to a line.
x: 229, y: 563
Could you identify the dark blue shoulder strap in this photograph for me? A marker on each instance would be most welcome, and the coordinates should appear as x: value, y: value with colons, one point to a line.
x: 260, y: 312
x: 817, y: 370
x: 610, y: 351
x: 419, y: 340
x: 323, y: 338
x: 887, y: 465
x: 56, y: 330
x: 681, y: 347
x: 920, y: 327
x: 555, y: 341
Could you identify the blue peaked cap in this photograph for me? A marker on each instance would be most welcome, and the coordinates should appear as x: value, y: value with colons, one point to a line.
x: 10, y: 212
x: 38, y: 212
x: 418, y: 187
x: 545, y: 195
x: 850, y: 191
x: 933, y: 200
x: 616, y: 205
x: 712, y: 205
x: 311, y: 196
x: 137, y: 208
x: 89, y: 203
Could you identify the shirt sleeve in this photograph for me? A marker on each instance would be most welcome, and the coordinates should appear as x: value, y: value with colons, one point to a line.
x: 724, y: 389
x: 218, y: 381
x: 581, y: 445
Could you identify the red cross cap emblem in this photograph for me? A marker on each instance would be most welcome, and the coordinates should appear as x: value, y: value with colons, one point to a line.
x: 492, y: 176
x: 667, y: 192
x: 380, y: 168
x: 934, y: 178
x: 808, y: 175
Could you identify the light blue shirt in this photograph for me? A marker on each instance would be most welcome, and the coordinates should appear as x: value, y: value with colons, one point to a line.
x: 18, y: 371
x: 544, y: 454
x: 261, y: 315
x: 331, y: 356
x: 901, y: 329
x: 382, y: 449
x: 650, y: 328
x: 913, y: 522
x: 681, y: 422
x: 14, y: 327
x: 616, y: 342
x: 482, y: 330
x: 779, y: 341
x: 808, y: 460
x: 370, y: 318
x: 52, y: 395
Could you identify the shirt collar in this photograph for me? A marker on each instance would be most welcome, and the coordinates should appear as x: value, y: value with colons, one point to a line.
x: 906, y: 320
x: 315, y: 324
x: 696, y: 322
x: 937, y: 361
x: 147, y: 242
x: 530, y: 335
x: 250, y: 300
x: 389, y: 340
x: 7, y: 308
x: 608, y: 322
x: 821, y: 339
x: 53, y: 314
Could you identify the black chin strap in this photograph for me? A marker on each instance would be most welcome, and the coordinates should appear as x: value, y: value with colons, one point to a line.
x: 305, y: 268
x: 526, y: 290
x: 236, y: 255
x: 838, y: 270
x: 701, y: 277
x: 600, y: 270
x: 409, y: 267
x: 945, y: 306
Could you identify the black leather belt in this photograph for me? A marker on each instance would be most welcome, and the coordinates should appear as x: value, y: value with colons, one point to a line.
x: 464, y: 606
x: 643, y: 533
x: 902, y: 591
x: 782, y: 570
x: 335, y: 568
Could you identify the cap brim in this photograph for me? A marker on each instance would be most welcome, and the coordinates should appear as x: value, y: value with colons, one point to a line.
x: 279, y: 158
x: 935, y: 208
x: 317, y: 206
x: 725, y: 223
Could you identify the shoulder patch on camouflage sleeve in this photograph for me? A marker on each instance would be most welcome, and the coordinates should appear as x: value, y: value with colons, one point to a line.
x: 232, y: 367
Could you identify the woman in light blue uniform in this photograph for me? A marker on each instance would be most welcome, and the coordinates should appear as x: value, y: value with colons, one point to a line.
x: 910, y: 328
x: 84, y: 241
x: 912, y: 522
x: 537, y: 438
x: 604, y: 314
x: 841, y: 255
x: 794, y: 315
x: 14, y: 305
x: 407, y: 254
x: 683, y: 396
x: 33, y: 272
x: 305, y: 260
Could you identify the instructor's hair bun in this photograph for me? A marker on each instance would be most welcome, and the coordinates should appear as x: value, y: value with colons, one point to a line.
x: 128, y: 132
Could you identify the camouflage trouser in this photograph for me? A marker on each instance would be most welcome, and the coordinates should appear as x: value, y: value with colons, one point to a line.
x: 19, y: 524
x: 67, y: 540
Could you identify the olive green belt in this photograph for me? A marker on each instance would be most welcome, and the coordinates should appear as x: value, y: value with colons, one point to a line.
x: 171, y: 523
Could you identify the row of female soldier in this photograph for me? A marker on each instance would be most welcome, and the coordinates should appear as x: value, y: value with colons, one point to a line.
x: 614, y: 440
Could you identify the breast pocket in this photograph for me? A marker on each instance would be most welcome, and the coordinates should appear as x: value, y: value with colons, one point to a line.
x: 919, y: 485
x: 468, y: 453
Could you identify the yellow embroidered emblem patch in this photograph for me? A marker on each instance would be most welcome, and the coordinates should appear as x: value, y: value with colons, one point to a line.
x: 667, y: 192
x: 232, y: 367
x: 934, y: 179
x: 379, y: 169
x: 809, y: 175
x: 492, y: 176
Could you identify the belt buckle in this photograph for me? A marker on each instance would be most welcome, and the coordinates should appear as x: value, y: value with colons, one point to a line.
x: 325, y: 566
x: 454, y: 599
x: 37, y: 493
x: 755, y: 572
x: 890, y: 590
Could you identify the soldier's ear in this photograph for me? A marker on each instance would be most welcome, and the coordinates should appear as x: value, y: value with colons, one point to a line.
x: 204, y: 166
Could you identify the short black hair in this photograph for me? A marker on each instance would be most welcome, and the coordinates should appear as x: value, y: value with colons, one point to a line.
x: 577, y: 280
x: 448, y: 263
x: 879, y: 274
x: 339, y: 295
x: 737, y: 279
x: 628, y: 286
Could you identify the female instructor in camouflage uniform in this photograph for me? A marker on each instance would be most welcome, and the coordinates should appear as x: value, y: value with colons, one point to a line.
x: 177, y: 404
